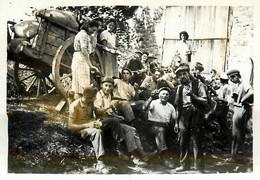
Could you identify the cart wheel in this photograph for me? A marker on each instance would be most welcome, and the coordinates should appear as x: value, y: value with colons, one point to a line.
x: 32, y: 81
x: 61, y: 67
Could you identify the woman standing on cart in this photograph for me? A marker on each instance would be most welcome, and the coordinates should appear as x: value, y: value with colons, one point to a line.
x: 84, y: 46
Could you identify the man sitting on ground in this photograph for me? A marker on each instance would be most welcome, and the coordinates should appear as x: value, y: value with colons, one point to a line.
x: 82, y: 120
x: 105, y: 103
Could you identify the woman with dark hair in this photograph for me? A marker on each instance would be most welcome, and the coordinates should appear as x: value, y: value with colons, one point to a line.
x: 108, y: 39
x: 183, y: 48
x: 84, y: 46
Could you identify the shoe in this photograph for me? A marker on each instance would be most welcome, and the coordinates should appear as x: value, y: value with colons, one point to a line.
x: 168, y: 163
x: 101, y: 167
x: 137, y: 161
x: 122, y: 155
x: 147, y: 156
x: 198, y: 170
x: 181, y: 168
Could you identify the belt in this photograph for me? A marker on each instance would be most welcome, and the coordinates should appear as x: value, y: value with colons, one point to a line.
x: 158, y: 123
x: 187, y: 105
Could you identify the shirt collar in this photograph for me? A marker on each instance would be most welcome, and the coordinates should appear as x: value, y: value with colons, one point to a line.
x: 82, y: 104
x: 103, y: 94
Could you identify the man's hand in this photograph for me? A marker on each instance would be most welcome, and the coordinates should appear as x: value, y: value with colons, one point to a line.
x: 154, y: 95
x: 176, y: 128
x: 97, y: 124
x: 95, y: 69
x: 114, y: 104
x: 109, y: 111
x: 189, y: 93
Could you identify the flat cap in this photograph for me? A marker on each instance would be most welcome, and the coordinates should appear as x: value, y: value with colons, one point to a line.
x: 233, y: 71
x: 199, y: 66
x: 182, y: 67
x: 164, y: 88
x: 127, y: 69
x: 224, y: 76
x: 107, y: 79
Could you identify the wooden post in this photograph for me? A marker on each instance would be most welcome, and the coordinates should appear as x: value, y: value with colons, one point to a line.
x: 229, y: 27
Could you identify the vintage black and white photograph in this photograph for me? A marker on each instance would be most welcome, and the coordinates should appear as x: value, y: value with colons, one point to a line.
x: 130, y: 89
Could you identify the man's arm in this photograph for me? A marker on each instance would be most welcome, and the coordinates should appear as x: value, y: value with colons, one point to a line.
x: 247, y: 96
x: 201, y: 98
x: 72, y: 119
x: 147, y: 104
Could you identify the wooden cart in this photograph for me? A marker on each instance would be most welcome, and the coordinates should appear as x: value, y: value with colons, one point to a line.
x: 44, y: 61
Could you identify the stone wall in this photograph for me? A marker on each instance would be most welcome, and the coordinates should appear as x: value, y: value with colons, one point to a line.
x: 241, y: 40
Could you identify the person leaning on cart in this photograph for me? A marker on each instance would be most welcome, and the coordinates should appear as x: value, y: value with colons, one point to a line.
x: 84, y: 45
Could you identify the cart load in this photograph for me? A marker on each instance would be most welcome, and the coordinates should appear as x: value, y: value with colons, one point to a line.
x: 33, y: 53
x: 25, y: 29
x: 62, y: 18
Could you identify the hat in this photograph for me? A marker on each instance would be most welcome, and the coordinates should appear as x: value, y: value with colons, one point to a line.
x: 126, y: 68
x: 146, y: 53
x: 199, y: 66
x: 224, y: 76
x: 89, y: 90
x: 164, y: 88
x: 107, y: 79
x: 139, y: 53
x: 182, y: 67
x: 233, y: 71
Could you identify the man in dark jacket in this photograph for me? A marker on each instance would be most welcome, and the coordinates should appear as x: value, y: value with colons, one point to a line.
x: 190, y: 101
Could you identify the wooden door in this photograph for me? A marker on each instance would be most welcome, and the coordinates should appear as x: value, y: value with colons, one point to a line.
x: 207, y: 27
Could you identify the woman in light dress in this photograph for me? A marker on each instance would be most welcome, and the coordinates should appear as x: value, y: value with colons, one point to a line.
x: 84, y: 47
x: 108, y: 60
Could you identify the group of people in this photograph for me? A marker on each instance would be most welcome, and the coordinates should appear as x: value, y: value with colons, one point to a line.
x: 175, y: 97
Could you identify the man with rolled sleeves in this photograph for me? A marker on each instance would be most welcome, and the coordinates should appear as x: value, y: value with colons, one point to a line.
x: 242, y: 95
x: 191, y: 98
x: 83, y: 121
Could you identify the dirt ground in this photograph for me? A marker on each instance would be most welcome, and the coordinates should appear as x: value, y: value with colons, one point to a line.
x: 40, y: 142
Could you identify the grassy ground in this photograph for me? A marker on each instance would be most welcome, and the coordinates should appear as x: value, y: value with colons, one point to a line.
x: 40, y: 142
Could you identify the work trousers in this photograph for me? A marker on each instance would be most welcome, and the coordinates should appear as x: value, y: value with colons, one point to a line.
x: 191, y: 133
x: 96, y: 138
x: 239, y: 124
x: 159, y: 130
x: 132, y: 138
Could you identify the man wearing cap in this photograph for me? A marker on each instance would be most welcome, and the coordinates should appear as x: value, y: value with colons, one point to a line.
x: 191, y: 98
x: 160, y: 114
x: 82, y: 120
x: 242, y: 96
x: 105, y: 103
x: 196, y: 72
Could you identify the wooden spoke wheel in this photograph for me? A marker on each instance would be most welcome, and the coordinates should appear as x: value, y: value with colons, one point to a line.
x: 31, y: 81
x: 61, y: 67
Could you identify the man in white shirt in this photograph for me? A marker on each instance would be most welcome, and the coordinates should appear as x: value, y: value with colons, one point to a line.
x: 160, y: 114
